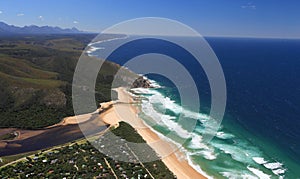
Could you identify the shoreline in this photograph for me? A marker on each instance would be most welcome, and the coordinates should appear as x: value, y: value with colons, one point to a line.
x: 173, y: 158
x: 112, y: 113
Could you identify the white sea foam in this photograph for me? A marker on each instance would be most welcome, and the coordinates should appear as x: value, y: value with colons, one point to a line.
x: 279, y: 171
x: 223, y: 135
x: 194, y: 115
x: 171, y: 105
x: 143, y: 91
x: 93, y: 49
x: 184, y: 151
x: 205, y: 151
x: 175, y: 127
x: 107, y: 40
x: 164, y: 119
x: 207, y: 154
x: 186, y: 154
x: 132, y: 94
x: 153, y: 83
x: 274, y: 165
x: 241, y: 152
x: 259, y: 160
x: 259, y: 173
x: 148, y: 109
x: 196, y: 143
x: 197, y: 167
x: 157, y: 98
x: 236, y: 175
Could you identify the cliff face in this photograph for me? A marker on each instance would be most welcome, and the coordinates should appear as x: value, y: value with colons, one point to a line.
x: 141, y: 82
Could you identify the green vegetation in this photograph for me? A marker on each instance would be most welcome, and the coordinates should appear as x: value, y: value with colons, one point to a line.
x: 82, y: 160
x: 36, y: 74
x: 14, y: 158
x: 129, y: 134
x: 125, y: 131
x: 8, y: 136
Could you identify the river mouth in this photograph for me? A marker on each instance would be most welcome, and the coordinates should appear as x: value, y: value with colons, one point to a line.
x: 50, y: 137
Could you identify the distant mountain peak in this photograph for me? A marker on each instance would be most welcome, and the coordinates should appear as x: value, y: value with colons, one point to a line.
x: 34, y: 29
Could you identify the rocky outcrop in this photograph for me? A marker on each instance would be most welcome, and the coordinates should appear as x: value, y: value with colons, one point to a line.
x: 141, y: 82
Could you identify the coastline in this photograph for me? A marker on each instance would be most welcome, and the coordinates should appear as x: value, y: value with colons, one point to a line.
x: 173, y: 158
x: 112, y: 113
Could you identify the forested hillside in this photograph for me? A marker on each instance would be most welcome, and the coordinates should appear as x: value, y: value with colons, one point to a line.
x: 36, y: 73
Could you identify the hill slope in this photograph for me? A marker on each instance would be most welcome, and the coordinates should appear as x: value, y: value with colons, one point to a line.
x: 36, y: 74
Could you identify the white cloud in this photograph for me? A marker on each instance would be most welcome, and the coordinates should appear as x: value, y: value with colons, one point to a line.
x: 41, y: 18
x: 1, y: 12
x: 75, y: 22
x: 20, y: 14
x: 249, y: 6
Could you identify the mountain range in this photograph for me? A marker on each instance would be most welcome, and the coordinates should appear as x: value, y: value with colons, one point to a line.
x: 6, y: 29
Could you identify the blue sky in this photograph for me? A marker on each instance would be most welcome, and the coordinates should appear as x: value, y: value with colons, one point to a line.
x: 258, y: 18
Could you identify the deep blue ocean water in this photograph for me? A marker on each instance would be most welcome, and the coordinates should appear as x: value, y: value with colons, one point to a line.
x: 260, y: 130
x: 262, y: 78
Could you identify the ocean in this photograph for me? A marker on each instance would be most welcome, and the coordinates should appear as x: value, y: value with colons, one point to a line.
x: 259, y: 136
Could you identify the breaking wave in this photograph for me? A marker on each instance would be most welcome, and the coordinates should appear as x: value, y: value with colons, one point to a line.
x: 237, y: 151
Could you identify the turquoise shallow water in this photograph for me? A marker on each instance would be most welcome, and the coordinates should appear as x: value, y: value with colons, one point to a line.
x: 229, y: 154
x: 260, y: 134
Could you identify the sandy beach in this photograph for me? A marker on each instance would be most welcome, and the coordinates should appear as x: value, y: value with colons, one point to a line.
x: 124, y: 110
x: 112, y: 113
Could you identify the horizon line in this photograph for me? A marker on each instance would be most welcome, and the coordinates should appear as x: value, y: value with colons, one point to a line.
x: 205, y: 36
